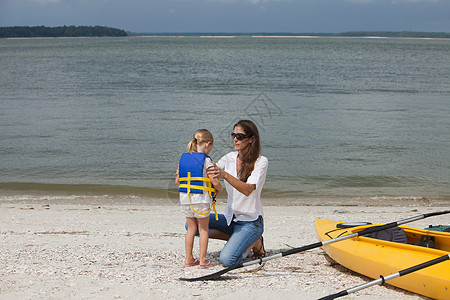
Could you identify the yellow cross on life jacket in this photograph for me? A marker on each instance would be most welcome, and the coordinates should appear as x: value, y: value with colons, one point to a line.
x: 209, y: 188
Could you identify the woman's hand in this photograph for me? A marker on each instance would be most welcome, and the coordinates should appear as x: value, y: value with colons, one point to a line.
x: 213, y: 175
x: 215, y: 171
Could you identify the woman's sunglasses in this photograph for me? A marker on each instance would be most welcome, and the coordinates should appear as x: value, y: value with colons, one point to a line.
x: 239, y: 136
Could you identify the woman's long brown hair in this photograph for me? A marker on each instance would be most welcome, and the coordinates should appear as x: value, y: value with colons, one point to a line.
x: 250, y: 154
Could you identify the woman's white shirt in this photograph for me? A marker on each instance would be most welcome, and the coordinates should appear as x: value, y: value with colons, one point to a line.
x: 239, y: 206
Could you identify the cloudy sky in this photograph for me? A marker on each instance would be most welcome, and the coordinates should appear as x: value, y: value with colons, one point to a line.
x: 301, y: 16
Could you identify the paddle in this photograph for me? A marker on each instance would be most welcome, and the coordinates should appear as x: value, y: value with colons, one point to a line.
x: 382, y: 279
x: 315, y: 245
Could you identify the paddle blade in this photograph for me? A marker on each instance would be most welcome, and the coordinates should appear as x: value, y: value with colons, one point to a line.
x: 334, y: 296
x: 213, y: 275
x: 436, y: 213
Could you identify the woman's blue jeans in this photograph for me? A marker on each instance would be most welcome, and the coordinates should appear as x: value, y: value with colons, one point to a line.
x: 243, y: 235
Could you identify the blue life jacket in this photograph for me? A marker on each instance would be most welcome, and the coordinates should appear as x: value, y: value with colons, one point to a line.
x: 191, y: 174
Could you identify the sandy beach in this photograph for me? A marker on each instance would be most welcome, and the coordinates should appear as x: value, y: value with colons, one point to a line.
x: 93, y: 250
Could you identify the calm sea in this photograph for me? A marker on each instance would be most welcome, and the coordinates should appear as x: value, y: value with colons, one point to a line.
x: 339, y: 117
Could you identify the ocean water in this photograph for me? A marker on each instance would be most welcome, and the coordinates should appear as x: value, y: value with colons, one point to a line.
x: 338, y: 117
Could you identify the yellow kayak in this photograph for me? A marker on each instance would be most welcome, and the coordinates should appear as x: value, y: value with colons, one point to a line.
x: 374, y: 257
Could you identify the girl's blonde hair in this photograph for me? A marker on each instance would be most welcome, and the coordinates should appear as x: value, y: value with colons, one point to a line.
x: 200, y: 136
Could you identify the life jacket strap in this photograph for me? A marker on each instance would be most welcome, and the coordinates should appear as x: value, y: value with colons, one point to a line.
x: 211, y: 191
x: 214, y: 208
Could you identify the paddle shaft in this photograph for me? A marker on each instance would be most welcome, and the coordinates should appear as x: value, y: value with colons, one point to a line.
x: 382, y: 279
x: 315, y: 245
x: 363, y: 232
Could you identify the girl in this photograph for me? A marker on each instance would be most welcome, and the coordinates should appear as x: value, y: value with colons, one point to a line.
x: 196, y: 193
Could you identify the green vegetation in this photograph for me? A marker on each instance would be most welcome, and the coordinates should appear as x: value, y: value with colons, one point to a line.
x: 62, y: 31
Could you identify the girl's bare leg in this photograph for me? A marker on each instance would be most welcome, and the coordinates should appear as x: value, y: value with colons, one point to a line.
x: 203, y: 224
x: 189, y: 239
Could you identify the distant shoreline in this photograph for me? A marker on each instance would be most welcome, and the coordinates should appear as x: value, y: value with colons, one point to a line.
x: 227, y: 37
x: 283, y: 37
x: 354, y: 34
x: 103, y: 31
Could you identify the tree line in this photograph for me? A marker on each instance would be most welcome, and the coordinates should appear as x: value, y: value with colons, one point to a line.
x: 61, y: 31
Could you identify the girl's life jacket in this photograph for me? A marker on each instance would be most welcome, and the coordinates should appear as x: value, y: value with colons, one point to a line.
x: 191, y: 174
x: 192, y: 180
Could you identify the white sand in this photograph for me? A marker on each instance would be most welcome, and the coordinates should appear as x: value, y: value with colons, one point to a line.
x: 136, y: 251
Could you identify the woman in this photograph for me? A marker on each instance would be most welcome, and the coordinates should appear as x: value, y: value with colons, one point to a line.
x: 244, y: 172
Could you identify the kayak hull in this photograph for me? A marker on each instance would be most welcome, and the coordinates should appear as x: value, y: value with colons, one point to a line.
x: 373, y: 257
